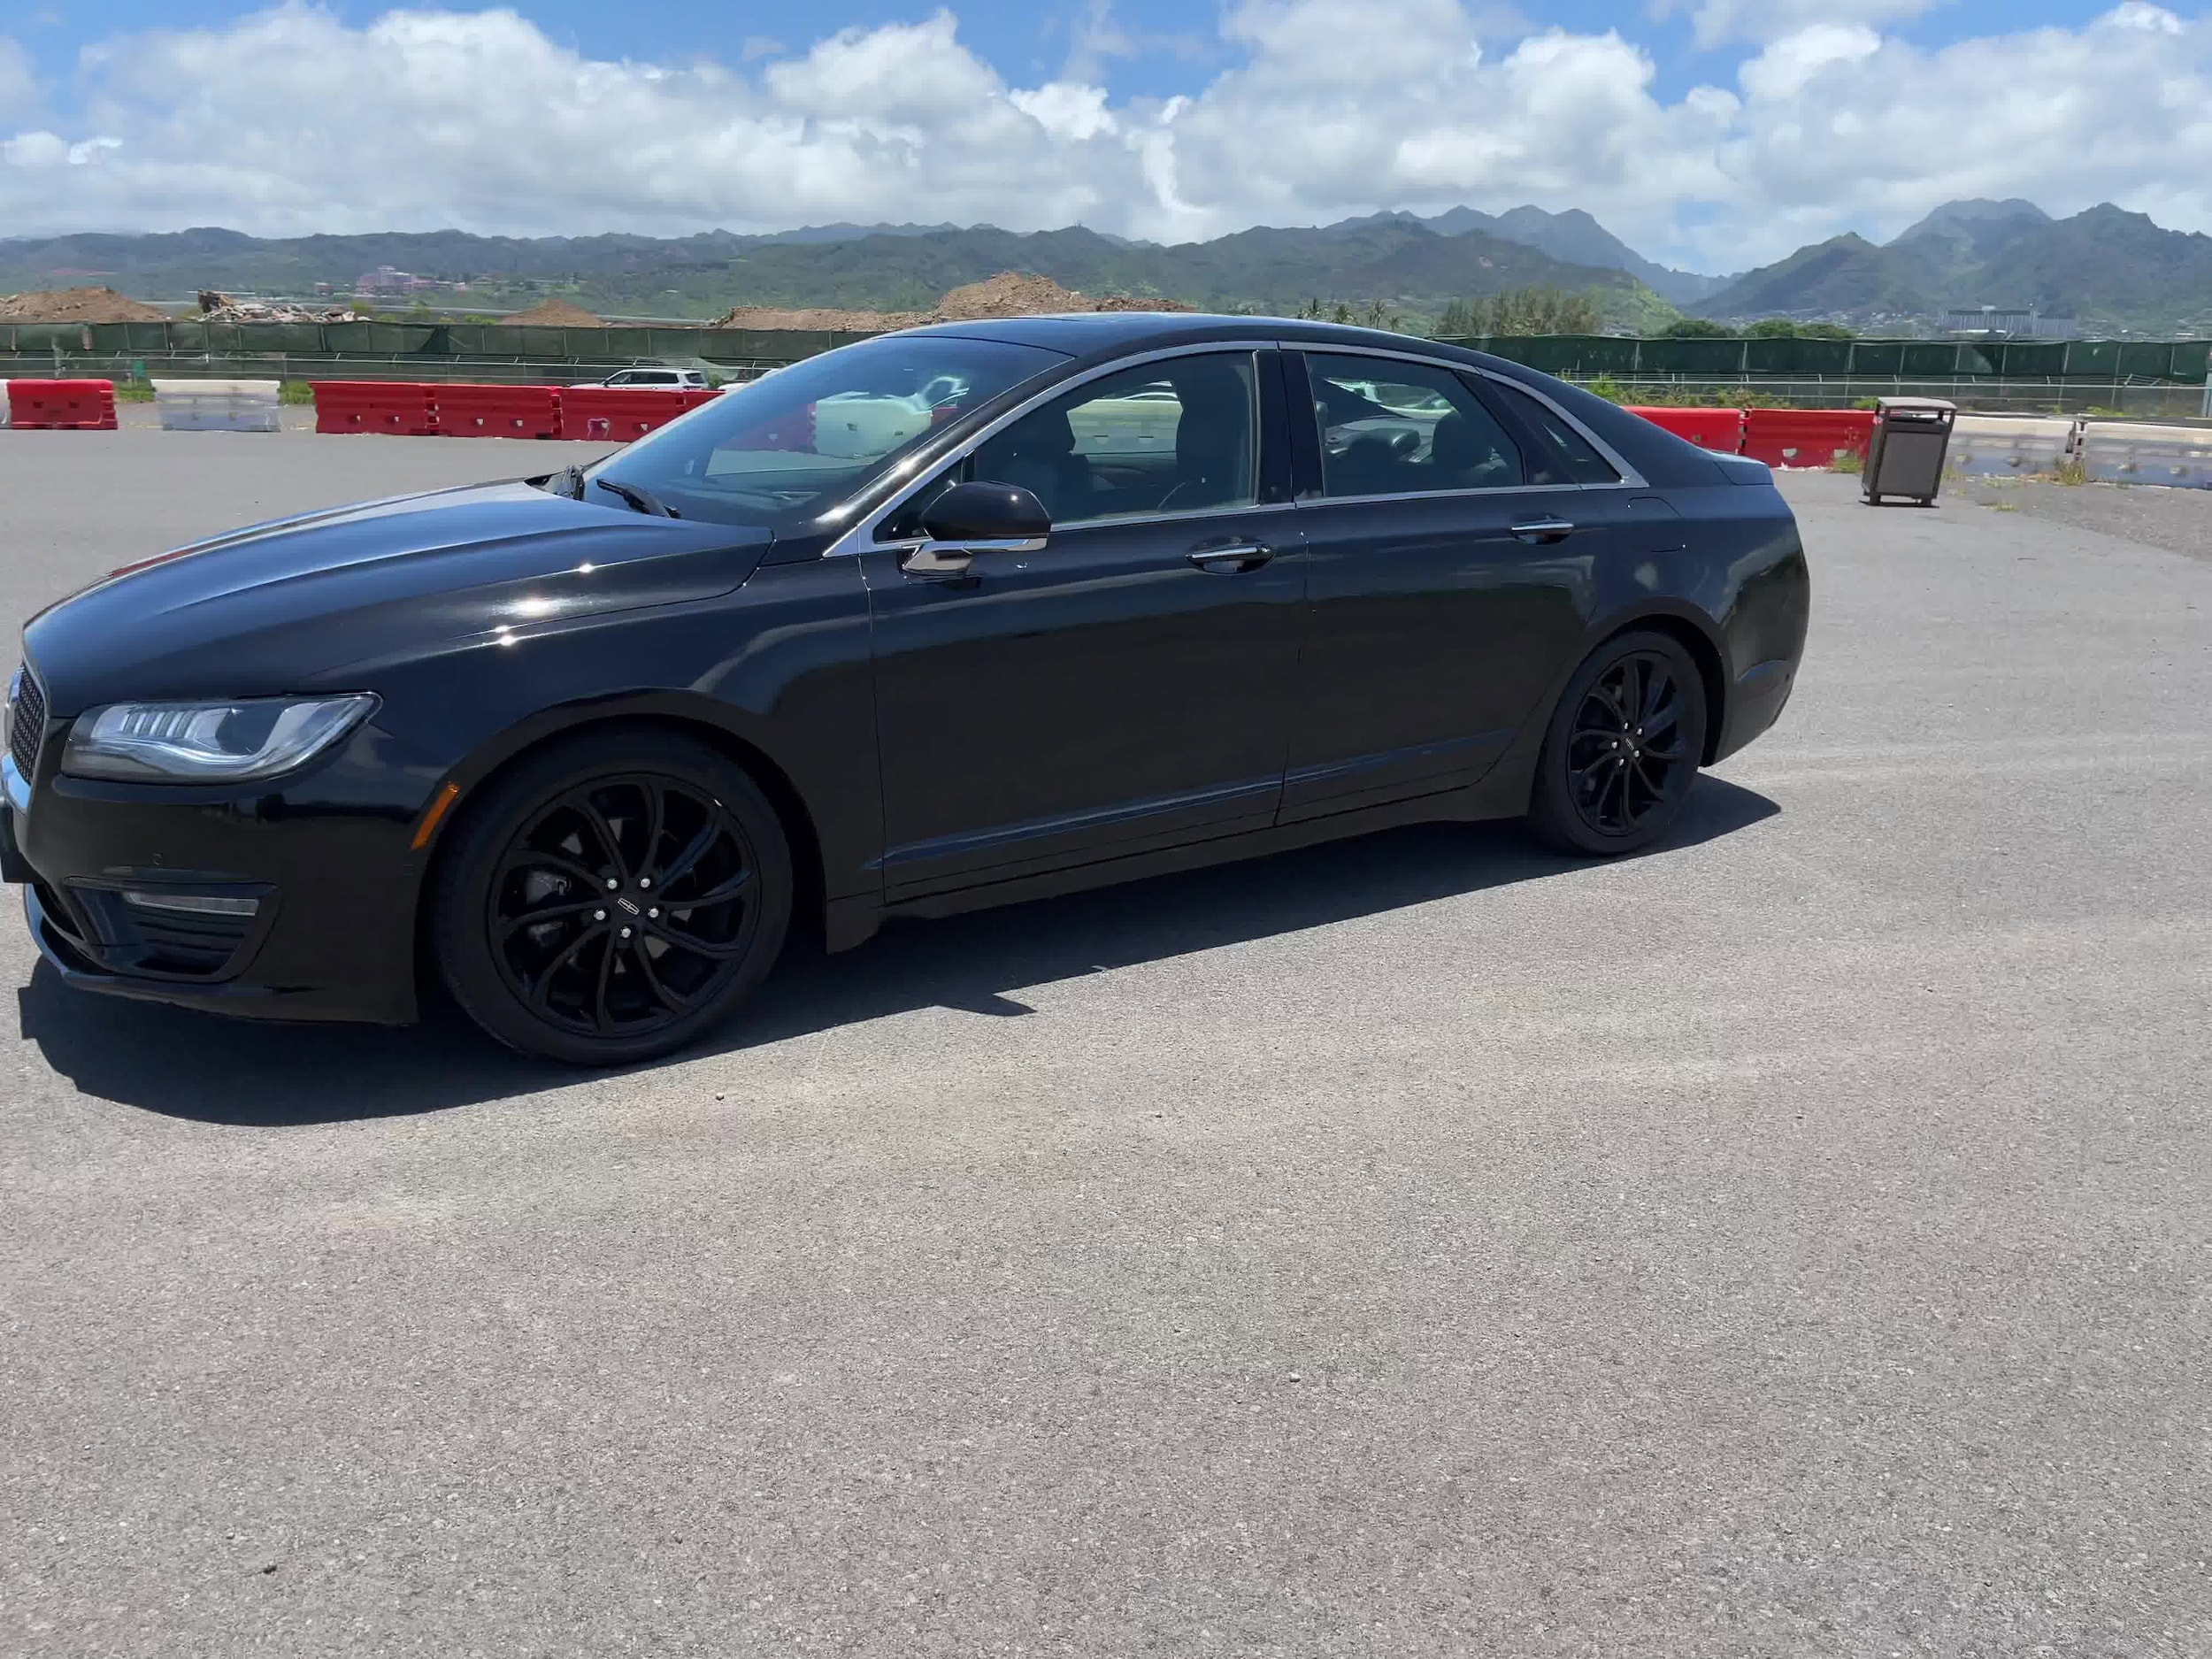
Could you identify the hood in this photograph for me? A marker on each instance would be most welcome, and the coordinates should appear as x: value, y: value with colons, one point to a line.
x: 299, y: 604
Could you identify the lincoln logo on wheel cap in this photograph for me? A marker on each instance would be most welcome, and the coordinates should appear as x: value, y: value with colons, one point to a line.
x: 627, y: 905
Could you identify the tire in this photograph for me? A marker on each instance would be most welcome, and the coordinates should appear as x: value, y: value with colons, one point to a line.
x: 1607, y: 784
x: 548, y: 921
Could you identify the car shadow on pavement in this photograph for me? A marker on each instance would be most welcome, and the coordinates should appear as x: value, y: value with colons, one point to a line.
x: 213, y: 1070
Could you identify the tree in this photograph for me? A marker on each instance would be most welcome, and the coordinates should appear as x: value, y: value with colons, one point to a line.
x: 1698, y: 329
x: 1771, y: 329
x: 1531, y: 310
x: 1825, y: 331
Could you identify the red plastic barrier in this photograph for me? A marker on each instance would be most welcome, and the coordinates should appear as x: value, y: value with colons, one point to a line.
x: 1807, y: 437
x: 401, y: 408
x: 1719, y: 429
x: 62, y: 405
x: 617, y: 412
x: 794, y: 431
x: 467, y: 411
x: 694, y: 395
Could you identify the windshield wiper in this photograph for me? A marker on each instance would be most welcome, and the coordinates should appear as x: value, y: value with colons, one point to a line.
x: 643, y: 500
x: 568, y: 481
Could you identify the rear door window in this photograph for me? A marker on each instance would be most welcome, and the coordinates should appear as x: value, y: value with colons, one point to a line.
x: 1391, y: 427
x: 1572, y: 455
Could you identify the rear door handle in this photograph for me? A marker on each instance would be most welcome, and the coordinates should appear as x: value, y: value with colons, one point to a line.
x: 1544, y: 530
x: 1229, y: 557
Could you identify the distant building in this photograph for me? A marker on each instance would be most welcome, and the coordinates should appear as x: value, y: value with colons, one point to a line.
x: 386, y: 280
x: 1995, y: 323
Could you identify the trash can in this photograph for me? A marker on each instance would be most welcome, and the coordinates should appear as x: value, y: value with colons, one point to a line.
x: 1905, y: 456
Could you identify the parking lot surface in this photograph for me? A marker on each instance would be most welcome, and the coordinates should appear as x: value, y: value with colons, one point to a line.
x: 1793, y: 1241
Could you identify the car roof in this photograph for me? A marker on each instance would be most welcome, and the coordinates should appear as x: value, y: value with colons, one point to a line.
x: 1099, y: 334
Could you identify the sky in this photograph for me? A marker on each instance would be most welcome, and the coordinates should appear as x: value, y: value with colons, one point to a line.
x: 1711, y: 134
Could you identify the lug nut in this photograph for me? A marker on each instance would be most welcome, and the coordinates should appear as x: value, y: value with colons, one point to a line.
x: 599, y: 915
x: 625, y: 932
x: 645, y: 881
x: 655, y: 913
x: 612, y: 884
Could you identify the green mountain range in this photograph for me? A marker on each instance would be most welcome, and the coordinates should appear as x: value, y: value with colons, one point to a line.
x: 2108, y: 268
x: 1413, y: 269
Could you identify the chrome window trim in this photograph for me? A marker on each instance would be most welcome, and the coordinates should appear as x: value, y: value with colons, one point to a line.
x: 1630, y: 478
x: 1312, y: 502
x: 857, y: 539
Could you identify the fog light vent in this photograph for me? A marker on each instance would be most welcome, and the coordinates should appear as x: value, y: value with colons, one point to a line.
x: 164, y: 931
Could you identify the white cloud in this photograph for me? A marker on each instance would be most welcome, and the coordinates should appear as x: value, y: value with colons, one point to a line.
x: 290, y: 120
x: 19, y: 86
x: 1719, y: 22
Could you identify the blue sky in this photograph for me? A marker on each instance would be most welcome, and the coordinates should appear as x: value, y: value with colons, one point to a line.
x: 1176, y: 45
x: 1712, y: 133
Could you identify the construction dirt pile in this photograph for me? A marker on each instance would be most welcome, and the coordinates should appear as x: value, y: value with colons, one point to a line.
x: 77, y: 305
x: 220, y: 307
x: 554, y: 314
x: 1009, y: 293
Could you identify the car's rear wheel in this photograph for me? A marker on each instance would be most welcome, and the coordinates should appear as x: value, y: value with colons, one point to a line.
x: 1623, y: 747
x: 612, y: 898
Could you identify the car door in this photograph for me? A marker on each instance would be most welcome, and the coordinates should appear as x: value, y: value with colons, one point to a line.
x: 1129, y: 686
x: 1447, y: 575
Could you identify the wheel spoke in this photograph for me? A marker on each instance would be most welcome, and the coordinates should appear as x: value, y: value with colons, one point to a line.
x: 541, y: 989
x: 655, y: 825
x: 1665, y: 715
x: 602, y: 1018
x: 605, y: 832
x: 714, y: 950
x: 694, y: 849
x: 669, y: 1000
x: 1657, y: 686
x: 545, y: 913
x: 735, y: 888
x: 532, y: 857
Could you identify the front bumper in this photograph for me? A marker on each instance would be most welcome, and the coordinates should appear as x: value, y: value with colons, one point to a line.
x: 118, y: 884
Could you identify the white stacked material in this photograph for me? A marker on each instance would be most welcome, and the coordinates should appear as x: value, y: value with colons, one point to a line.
x: 217, y: 405
x: 2132, y: 452
x: 5, y: 416
x: 2002, y: 446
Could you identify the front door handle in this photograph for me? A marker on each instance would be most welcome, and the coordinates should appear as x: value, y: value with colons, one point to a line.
x: 1229, y: 557
x: 1544, y: 530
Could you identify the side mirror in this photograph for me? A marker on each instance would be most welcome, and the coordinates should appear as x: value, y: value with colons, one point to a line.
x: 982, y: 515
x: 977, y: 517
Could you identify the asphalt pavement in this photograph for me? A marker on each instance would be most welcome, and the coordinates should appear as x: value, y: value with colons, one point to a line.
x: 1793, y: 1241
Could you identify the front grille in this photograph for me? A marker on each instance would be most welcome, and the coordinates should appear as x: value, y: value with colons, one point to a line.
x: 27, y: 723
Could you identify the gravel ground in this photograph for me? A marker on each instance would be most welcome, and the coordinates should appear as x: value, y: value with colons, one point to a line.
x: 1790, y: 1242
x: 2179, y: 520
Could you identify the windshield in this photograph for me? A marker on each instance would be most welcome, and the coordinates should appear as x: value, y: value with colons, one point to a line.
x: 797, y: 441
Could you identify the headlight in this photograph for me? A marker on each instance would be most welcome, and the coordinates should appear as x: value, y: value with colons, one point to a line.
x: 209, y: 742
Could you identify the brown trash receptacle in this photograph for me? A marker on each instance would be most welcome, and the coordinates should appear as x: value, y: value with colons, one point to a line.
x: 1911, y: 435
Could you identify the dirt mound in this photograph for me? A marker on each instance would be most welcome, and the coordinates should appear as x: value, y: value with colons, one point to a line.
x: 1009, y: 293
x: 78, y: 305
x: 554, y: 314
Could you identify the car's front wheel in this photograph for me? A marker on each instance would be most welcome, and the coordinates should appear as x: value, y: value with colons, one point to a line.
x: 1623, y: 747
x: 613, y: 897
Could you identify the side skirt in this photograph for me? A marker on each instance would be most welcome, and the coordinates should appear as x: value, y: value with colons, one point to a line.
x: 1469, y: 804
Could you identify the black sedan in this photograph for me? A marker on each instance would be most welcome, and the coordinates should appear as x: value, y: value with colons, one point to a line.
x: 948, y: 618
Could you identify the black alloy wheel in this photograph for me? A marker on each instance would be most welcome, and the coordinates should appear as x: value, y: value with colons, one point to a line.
x: 613, y: 898
x: 1624, y: 747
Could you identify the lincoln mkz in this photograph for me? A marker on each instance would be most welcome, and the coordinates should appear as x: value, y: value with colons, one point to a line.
x: 947, y: 618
